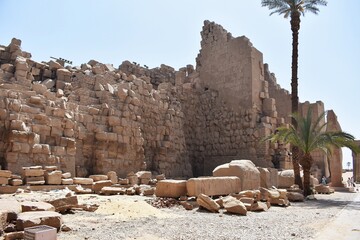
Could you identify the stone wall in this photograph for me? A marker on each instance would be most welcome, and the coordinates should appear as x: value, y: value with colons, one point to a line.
x: 95, y: 118
x: 356, y: 165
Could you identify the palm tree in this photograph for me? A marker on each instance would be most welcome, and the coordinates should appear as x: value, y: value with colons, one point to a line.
x: 308, y: 137
x: 294, y: 8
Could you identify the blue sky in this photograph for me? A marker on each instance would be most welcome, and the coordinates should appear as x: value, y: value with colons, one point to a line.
x: 154, y: 32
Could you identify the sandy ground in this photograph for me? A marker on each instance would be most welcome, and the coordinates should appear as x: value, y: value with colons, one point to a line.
x: 131, y: 217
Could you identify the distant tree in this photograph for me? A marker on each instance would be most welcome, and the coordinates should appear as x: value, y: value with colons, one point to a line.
x: 294, y: 8
x: 310, y: 136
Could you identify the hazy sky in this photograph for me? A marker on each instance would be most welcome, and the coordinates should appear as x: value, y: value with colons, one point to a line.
x: 153, y: 32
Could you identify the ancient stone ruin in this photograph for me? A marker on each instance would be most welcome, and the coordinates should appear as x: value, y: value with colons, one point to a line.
x: 96, y: 118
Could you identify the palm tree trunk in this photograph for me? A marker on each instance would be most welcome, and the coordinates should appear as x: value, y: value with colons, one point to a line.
x: 306, y: 163
x: 295, y: 27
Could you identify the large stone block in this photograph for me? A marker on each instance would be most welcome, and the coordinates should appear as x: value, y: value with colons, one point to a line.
x: 64, y: 204
x: 85, y: 181
x: 286, y: 178
x: 213, y: 186
x: 98, y: 185
x: 4, y: 181
x: 5, y: 173
x: 33, y: 172
x: 98, y: 177
x: 36, y: 206
x: 171, y: 188
x: 207, y: 203
x: 35, y: 218
x: 244, y: 169
x: 11, y: 207
x: 53, y: 177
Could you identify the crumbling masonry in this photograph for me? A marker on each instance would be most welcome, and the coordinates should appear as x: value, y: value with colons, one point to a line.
x: 96, y: 118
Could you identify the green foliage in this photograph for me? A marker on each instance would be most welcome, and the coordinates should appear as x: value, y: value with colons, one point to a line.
x: 310, y: 135
x: 287, y: 7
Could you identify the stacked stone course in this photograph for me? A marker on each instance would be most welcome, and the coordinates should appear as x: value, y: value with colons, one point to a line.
x: 95, y: 118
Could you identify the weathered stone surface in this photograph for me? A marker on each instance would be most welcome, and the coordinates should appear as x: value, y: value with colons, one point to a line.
x: 64, y: 204
x: 98, y: 177
x: 98, y: 185
x: 36, y: 206
x: 67, y: 181
x: 113, y: 190
x: 213, y: 186
x: 15, y: 182
x: 286, y: 178
x: 207, y: 203
x: 5, y: 173
x: 66, y: 175
x: 324, y: 189
x: 244, y: 169
x: 232, y: 205
x: 11, y: 207
x: 4, y: 181
x: 260, y: 206
x: 171, y: 188
x: 144, y: 174
x: 112, y: 176
x: 53, y: 177
x: 295, y: 196
x: 33, y: 172
x: 35, y: 218
x: 85, y: 181
x: 14, y: 235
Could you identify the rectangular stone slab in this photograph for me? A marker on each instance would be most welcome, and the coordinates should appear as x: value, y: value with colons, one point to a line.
x: 213, y: 186
x: 171, y: 188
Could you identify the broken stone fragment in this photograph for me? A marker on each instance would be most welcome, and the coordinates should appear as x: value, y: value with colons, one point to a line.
x: 28, y: 206
x: 207, y: 203
x: 36, y: 218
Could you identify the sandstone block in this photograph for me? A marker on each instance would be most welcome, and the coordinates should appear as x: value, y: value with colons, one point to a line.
x: 11, y: 207
x: 144, y: 174
x: 36, y: 206
x: 260, y: 206
x: 5, y: 173
x: 66, y: 175
x: 207, y: 203
x: 113, y: 190
x: 64, y: 204
x: 98, y: 185
x: 213, y: 186
x: 171, y: 188
x: 53, y: 178
x: 98, y: 177
x: 324, y: 189
x: 15, y: 182
x: 35, y: 218
x: 295, y: 196
x: 244, y: 169
x: 4, y: 181
x: 50, y: 168
x: 286, y: 178
x: 112, y: 176
x: 85, y: 181
x: 232, y: 205
x: 67, y: 181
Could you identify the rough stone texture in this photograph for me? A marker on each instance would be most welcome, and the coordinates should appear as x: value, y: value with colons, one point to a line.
x: 64, y: 204
x: 213, y: 186
x: 207, y: 203
x: 286, y: 178
x: 244, y: 169
x: 112, y: 176
x: 53, y: 177
x: 336, y: 154
x: 99, y: 177
x: 96, y: 118
x: 295, y: 196
x: 97, y: 186
x: 171, y: 188
x: 12, y: 208
x: 232, y: 205
x: 5, y: 173
x: 35, y: 218
x: 85, y: 181
x: 324, y: 189
x: 36, y: 206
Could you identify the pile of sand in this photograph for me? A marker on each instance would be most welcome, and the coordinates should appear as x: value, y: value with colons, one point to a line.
x: 128, y: 210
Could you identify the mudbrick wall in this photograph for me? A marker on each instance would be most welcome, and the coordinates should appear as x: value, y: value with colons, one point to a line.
x: 94, y: 118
